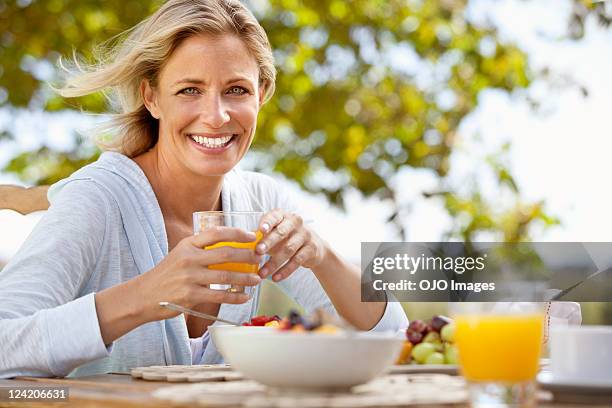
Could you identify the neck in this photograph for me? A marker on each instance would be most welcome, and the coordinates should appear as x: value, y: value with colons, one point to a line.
x: 179, y: 200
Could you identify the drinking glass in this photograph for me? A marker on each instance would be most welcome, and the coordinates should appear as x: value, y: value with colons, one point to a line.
x: 246, y: 220
x: 499, y: 348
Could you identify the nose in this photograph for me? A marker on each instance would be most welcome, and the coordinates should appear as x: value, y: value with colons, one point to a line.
x: 214, y: 113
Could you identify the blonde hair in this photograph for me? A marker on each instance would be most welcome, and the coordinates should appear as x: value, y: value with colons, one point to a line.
x: 140, y: 52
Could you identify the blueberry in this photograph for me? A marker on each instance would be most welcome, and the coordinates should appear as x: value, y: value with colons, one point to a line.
x: 309, y: 325
x: 295, y: 318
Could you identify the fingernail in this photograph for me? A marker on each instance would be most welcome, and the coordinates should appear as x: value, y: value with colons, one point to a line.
x: 276, y: 278
x: 252, y: 236
x: 265, y: 226
x: 263, y: 272
x: 261, y: 247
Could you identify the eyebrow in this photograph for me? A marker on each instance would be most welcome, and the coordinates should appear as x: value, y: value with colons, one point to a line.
x: 200, y: 82
x: 188, y: 81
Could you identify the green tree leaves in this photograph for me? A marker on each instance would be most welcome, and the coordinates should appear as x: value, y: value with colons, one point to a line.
x: 364, y: 88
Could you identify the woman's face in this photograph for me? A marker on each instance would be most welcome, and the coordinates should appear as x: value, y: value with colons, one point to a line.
x: 206, y: 99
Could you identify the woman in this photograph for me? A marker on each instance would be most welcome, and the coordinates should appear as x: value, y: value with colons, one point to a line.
x: 82, y: 294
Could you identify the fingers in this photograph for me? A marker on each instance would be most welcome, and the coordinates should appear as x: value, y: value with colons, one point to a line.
x: 225, y: 254
x: 271, y: 220
x: 213, y: 235
x: 283, y: 252
x: 221, y: 296
x: 279, y: 231
x: 286, y: 270
x: 306, y: 252
x: 209, y: 276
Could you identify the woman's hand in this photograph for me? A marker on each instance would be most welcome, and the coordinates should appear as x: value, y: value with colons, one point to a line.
x: 182, y: 277
x: 289, y: 243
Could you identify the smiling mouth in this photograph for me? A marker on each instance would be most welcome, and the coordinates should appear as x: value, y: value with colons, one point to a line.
x: 216, y: 142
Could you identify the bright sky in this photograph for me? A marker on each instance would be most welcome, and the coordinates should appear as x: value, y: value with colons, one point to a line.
x: 559, y: 153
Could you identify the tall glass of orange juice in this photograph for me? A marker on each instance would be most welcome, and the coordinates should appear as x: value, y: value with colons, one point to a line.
x: 247, y: 220
x: 499, y: 349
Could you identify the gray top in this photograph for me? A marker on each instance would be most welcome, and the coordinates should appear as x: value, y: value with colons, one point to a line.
x: 104, y: 227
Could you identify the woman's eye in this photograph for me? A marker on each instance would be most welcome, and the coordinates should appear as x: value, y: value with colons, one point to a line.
x: 189, y: 91
x: 237, y: 90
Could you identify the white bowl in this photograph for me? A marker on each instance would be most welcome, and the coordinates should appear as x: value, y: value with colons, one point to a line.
x: 306, y: 361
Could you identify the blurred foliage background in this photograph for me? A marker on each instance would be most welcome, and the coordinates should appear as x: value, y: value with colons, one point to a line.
x: 365, y: 88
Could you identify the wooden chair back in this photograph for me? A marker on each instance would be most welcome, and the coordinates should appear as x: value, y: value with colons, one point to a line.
x: 23, y: 200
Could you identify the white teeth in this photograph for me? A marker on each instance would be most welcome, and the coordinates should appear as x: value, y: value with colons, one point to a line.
x: 211, y: 141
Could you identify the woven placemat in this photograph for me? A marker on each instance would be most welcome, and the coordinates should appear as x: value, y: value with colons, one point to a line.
x: 184, y: 373
x: 387, y: 391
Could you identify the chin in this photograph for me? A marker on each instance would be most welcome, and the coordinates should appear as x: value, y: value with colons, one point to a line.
x: 212, y: 169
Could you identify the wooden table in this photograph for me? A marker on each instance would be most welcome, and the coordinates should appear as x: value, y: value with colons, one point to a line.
x: 122, y: 391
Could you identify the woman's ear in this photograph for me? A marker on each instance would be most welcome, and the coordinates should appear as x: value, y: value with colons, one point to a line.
x: 149, y: 97
x: 261, y: 95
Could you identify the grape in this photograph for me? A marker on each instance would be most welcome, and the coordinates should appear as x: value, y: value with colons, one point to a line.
x: 414, y: 337
x: 448, y: 333
x: 432, y: 337
x: 418, y: 326
x: 421, y: 351
x: 438, y: 322
x: 450, y: 353
x: 435, y: 358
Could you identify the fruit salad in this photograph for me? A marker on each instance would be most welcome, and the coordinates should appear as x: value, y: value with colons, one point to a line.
x: 429, y: 342
x: 295, y: 322
x: 263, y: 320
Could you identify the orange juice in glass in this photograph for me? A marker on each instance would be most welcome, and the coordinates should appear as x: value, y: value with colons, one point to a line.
x: 247, y: 220
x: 499, y: 352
